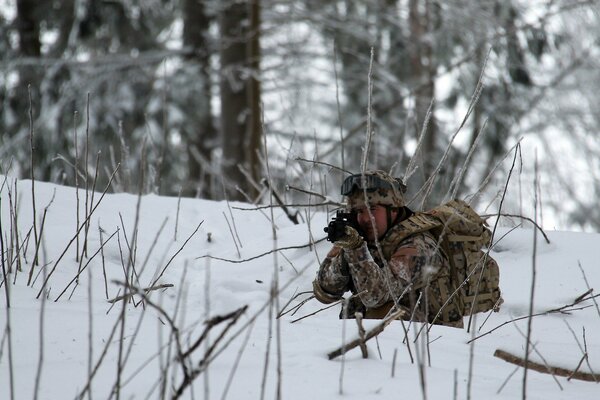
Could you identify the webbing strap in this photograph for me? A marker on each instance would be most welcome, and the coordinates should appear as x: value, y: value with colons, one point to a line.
x: 463, y: 238
x: 443, y: 285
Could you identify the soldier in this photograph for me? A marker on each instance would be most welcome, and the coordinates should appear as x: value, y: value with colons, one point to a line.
x: 383, y: 265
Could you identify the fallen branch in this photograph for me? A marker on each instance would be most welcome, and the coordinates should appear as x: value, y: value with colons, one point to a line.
x: 511, y: 358
x: 369, y: 335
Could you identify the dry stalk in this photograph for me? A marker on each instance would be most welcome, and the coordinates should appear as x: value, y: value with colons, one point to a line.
x: 483, y: 262
x: 126, y: 179
x: 369, y: 135
x: 583, y: 358
x: 37, y: 247
x: 14, y: 231
x: 87, y: 387
x: 337, y: 102
x: 86, y: 175
x: 325, y: 164
x: 295, y: 309
x: 100, y: 231
x: 237, y: 247
x: 176, y: 253
x: 533, y: 277
x: 274, y: 195
x: 361, y: 335
x: 237, y: 362
x: 588, y: 286
x: 274, y: 307
x: 8, y: 325
x: 394, y: 362
x: 582, y: 348
x: 32, y: 148
x: 296, y: 205
x: 76, y: 163
x: 420, y: 352
x: 153, y: 245
x: 457, y: 181
x: 563, y: 309
x: 120, y: 357
x: 260, y: 255
x: 534, y: 348
x: 90, y: 324
x: 38, y: 374
x: 203, y: 364
x: 369, y: 335
x: 534, y: 223
x: 131, y: 248
x: 412, y: 167
x: 177, y: 215
x: 487, y: 179
x: 310, y: 193
x: 76, y: 278
x: 508, y: 378
x: 76, y: 236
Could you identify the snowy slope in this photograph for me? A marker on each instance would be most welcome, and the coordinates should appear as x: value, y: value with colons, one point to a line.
x: 72, y: 334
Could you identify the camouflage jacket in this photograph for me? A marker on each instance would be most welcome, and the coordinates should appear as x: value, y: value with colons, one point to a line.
x: 415, y: 273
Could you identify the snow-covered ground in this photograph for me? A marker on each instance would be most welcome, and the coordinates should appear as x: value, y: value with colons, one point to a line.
x: 62, y: 341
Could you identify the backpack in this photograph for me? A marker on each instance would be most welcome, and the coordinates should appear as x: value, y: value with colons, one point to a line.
x: 462, y: 235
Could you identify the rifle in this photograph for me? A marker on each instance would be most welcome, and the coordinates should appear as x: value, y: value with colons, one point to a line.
x: 337, y: 226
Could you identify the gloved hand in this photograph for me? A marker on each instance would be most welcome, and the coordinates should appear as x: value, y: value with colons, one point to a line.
x: 351, y: 240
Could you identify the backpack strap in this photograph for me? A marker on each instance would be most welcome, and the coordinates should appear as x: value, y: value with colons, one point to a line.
x: 416, y: 223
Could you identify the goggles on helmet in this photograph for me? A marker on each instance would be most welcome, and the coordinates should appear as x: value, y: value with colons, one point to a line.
x: 369, y: 183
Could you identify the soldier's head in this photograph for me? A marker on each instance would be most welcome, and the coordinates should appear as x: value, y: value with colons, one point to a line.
x: 374, y: 193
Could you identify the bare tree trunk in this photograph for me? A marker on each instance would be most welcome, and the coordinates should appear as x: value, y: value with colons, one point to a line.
x: 28, y: 29
x: 202, y: 141
x: 254, y: 95
x: 423, y: 73
x: 240, y: 94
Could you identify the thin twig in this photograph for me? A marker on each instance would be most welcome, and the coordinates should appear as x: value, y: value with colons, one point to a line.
x: 361, y: 335
x: 324, y: 164
x: 588, y: 286
x: 176, y: 253
x: 8, y: 325
x: 237, y: 247
x: 563, y: 309
x: 485, y: 216
x: 31, y: 132
x: 369, y: 335
x: 533, y: 276
x: 76, y: 278
x: 76, y: 235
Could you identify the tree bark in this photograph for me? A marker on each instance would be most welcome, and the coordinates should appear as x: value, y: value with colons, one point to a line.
x: 254, y: 93
x: 240, y: 95
x: 571, y: 374
x: 202, y: 140
x: 423, y: 75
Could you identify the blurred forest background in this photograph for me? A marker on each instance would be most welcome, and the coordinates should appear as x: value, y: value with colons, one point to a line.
x: 194, y: 97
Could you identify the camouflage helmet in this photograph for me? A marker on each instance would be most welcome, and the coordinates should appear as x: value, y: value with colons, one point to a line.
x: 380, y: 187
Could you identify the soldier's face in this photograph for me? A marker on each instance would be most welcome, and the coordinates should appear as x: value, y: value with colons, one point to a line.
x: 377, y: 227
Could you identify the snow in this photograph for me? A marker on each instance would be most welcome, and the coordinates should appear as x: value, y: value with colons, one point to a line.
x: 222, y: 283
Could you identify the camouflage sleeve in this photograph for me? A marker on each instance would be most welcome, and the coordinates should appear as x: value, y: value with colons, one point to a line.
x: 333, y: 277
x: 414, y: 262
x: 417, y: 260
x: 370, y: 280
